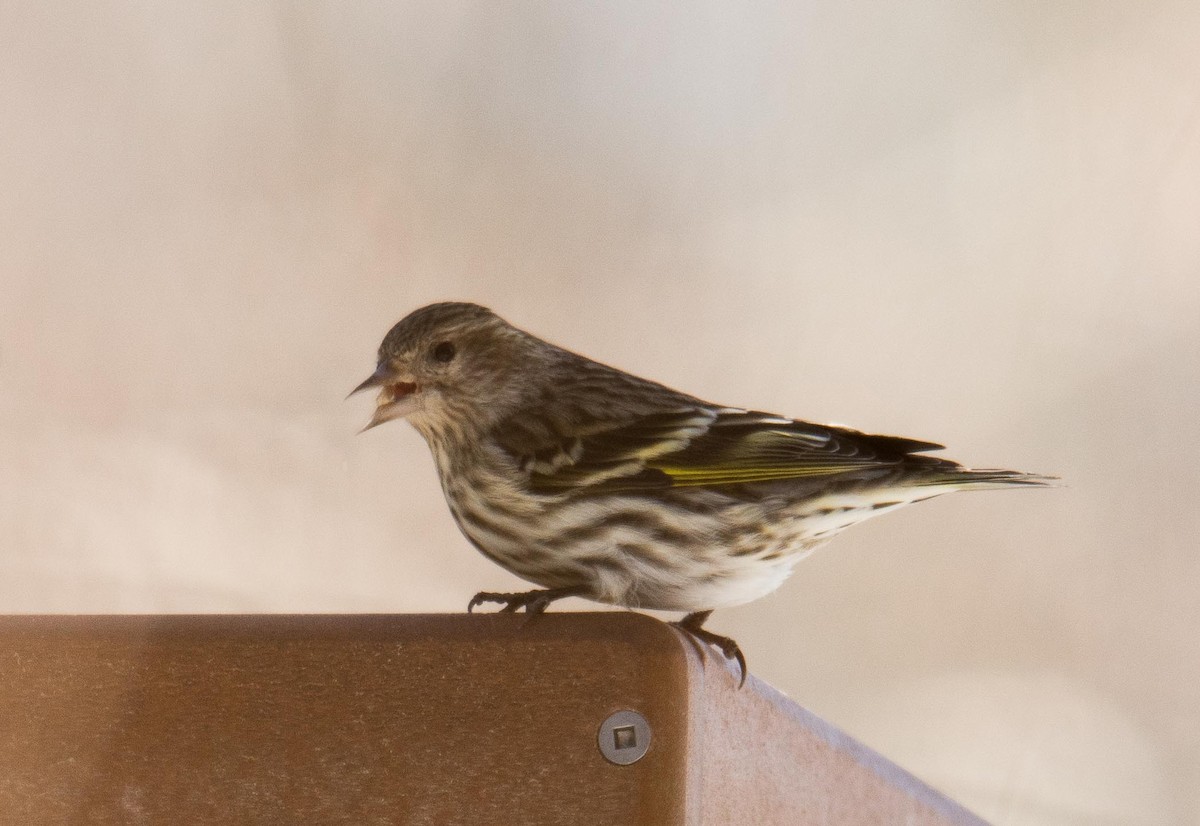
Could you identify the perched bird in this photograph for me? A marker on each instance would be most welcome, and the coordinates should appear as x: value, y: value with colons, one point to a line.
x: 591, y: 482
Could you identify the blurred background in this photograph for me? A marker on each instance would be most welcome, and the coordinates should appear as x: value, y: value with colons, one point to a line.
x: 972, y: 223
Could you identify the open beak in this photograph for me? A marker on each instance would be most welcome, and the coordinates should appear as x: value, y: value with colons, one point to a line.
x: 395, y: 396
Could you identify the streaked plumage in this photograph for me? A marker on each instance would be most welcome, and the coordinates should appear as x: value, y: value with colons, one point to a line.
x: 586, y: 480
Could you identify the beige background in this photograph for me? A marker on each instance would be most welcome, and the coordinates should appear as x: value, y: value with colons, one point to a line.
x: 975, y: 223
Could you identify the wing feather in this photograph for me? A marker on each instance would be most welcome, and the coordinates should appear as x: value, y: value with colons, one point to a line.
x: 703, y: 446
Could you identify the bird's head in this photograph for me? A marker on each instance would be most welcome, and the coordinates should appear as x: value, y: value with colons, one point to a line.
x: 448, y: 363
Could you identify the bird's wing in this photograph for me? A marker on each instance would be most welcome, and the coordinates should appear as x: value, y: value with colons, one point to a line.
x: 700, y: 446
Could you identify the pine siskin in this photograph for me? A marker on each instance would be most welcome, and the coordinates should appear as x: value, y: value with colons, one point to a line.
x: 591, y: 482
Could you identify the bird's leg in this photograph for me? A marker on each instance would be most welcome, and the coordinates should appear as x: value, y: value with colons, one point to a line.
x: 692, y: 624
x: 534, y: 602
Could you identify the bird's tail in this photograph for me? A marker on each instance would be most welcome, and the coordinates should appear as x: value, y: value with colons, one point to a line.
x: 961, y: 478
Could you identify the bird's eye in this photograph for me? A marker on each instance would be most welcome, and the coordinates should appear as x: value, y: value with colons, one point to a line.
x: 444, y: 352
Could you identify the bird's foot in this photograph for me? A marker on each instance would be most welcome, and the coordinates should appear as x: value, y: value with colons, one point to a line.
x: 693, y: 623
x: 534, y: 602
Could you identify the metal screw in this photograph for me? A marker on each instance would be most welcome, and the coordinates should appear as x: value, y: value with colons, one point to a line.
x: 624, y: 737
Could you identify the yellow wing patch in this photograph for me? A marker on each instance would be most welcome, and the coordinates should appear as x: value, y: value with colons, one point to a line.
x: 692, y: 476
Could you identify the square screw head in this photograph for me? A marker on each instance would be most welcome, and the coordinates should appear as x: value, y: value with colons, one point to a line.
x: 624, y: 737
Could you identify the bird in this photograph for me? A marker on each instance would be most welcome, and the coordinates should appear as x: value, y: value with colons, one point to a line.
x: 588, y: 481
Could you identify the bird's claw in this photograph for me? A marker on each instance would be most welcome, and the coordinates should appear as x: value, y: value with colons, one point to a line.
x: 726, y: 645
x: 534, y: 602
x: 731, y: 650
x: 487, y: 596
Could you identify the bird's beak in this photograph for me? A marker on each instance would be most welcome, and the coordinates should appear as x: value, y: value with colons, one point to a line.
x: 395, y: 395
x: 382, y: 375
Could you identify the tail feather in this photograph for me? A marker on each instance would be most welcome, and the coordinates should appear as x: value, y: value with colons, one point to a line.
x: 985, y: 479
